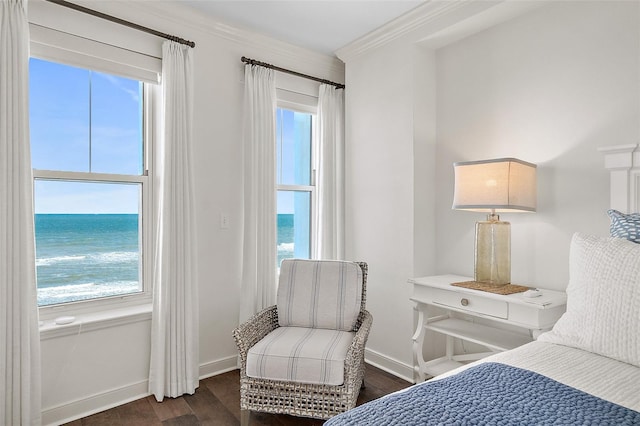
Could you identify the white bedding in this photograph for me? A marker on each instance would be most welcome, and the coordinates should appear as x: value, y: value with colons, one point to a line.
x: 597, y: 375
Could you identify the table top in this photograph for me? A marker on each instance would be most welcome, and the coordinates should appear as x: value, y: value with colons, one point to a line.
x: 548, y: 298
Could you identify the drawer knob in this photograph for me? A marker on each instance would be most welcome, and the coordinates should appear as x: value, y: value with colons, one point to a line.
x: 464, y: 302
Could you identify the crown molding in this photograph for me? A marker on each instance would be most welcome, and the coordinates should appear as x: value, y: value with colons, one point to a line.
x: 619, y: 156
x: 325, y: 66
x: 426, y: 13
x: 437, y: 23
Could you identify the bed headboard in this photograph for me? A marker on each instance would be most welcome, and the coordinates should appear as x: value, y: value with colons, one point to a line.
x: 623, y: 163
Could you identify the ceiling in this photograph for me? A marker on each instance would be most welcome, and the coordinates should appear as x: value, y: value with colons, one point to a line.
x: 322, y: 26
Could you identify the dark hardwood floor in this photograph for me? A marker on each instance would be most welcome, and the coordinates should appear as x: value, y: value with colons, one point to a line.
x: 217, y: 402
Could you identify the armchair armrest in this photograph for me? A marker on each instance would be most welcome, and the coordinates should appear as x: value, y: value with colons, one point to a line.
x: 355, y: 355
x: 254, y: 329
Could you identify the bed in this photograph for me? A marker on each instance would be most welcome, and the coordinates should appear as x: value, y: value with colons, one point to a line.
x: 586, y: 370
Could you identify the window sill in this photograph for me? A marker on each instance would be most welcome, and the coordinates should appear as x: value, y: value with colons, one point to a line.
x: 95, y: 321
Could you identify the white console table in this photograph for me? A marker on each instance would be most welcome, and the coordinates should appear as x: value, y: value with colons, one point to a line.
x: 536, y: 315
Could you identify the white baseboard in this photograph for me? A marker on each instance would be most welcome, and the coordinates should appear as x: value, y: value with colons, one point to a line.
x: 102, y: 401
x: 93, y: 404
x: 390, y: 365
x: 219, y: 366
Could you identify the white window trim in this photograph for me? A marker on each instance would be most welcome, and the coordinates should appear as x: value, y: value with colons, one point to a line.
x: 96, y: 310
x: 58, y: 46
x: 93, y: 42
x: 297, y: 102
x: 96, y: 320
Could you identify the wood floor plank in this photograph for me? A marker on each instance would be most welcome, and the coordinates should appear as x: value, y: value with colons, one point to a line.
x: 184, y: 420
x: 139, y: 413
x: 383, y: 380
x: 209, y: 410
x: 104, y: 418
x: 226, y: 387
x: 169, y: 407
x: 287, y: 420
x: 264, y: 419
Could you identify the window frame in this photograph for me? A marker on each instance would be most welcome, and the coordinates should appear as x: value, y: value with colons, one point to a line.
x: 150, y: 110
x: 312, y: 109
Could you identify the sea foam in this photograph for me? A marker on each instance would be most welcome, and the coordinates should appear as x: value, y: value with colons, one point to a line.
x: 74, y: 292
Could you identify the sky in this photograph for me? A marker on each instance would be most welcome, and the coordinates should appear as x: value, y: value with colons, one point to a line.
x: 293, y: 140
x: 84, y: 121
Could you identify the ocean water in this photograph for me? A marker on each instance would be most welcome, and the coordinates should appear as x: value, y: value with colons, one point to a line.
x: 84, y: 256
x: 285, y: 237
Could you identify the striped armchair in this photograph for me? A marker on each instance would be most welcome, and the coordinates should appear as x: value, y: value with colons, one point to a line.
x: 305, y: 355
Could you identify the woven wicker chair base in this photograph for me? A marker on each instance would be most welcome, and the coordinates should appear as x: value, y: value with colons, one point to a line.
x: 301, y: 399
x: 297, y: 399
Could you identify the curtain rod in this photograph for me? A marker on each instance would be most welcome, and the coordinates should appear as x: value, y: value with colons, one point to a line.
x: 121, y: 21
x: 299, y: 74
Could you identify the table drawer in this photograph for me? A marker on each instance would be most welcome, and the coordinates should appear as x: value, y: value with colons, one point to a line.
x: 471, y: 303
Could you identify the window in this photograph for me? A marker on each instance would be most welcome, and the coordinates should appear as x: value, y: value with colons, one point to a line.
x: 295, y: 183
x: 91, y: 183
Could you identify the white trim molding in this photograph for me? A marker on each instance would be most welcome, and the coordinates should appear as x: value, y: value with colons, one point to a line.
x: 95, y: 321
x: 623, y: 163
x: 93, y: 404
x: 436, y: 23
x: 390, y: 365
x: 219, y: 366
x: 421, y: 15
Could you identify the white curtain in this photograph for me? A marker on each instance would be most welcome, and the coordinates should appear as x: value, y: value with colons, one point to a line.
x: 19, y: 335
x: 174, y: 327
x: 330, y: 179
x: 258, y: 286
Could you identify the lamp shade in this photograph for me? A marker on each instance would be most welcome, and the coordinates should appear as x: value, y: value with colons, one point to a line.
x: 500, y: 185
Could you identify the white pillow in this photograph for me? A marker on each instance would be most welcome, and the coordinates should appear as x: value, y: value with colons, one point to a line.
x: 603, y: 299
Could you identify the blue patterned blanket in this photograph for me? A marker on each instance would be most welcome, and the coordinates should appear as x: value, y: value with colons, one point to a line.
x: 489, y: 394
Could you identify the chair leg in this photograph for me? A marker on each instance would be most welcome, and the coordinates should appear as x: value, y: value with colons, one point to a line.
x: 245, y: 417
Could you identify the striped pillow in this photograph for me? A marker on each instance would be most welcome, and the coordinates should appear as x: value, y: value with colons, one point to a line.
x: 625, y: 225
x: 319, y: 294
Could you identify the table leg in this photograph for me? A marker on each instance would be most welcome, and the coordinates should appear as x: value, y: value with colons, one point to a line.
x: 418, y: 342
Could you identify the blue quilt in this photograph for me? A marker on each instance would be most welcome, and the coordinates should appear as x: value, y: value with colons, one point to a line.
x: 489, y: 394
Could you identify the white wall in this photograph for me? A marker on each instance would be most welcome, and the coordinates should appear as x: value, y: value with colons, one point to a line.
x: 547, y: 84
x: 89, y: 370
x: 380, y: 194
x: 549, y: 87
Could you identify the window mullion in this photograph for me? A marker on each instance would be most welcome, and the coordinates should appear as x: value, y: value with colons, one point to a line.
x: 88, y: 177
x: 302, y: 188
x: 90, y: 118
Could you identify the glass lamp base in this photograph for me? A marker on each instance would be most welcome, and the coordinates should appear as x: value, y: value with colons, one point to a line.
x: 493, y: 251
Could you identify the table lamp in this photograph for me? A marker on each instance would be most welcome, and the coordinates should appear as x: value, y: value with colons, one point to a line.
x: 494, y: 186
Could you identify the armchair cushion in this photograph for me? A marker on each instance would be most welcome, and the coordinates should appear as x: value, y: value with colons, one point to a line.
x: 319, y: 294
x: 302, y: 355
